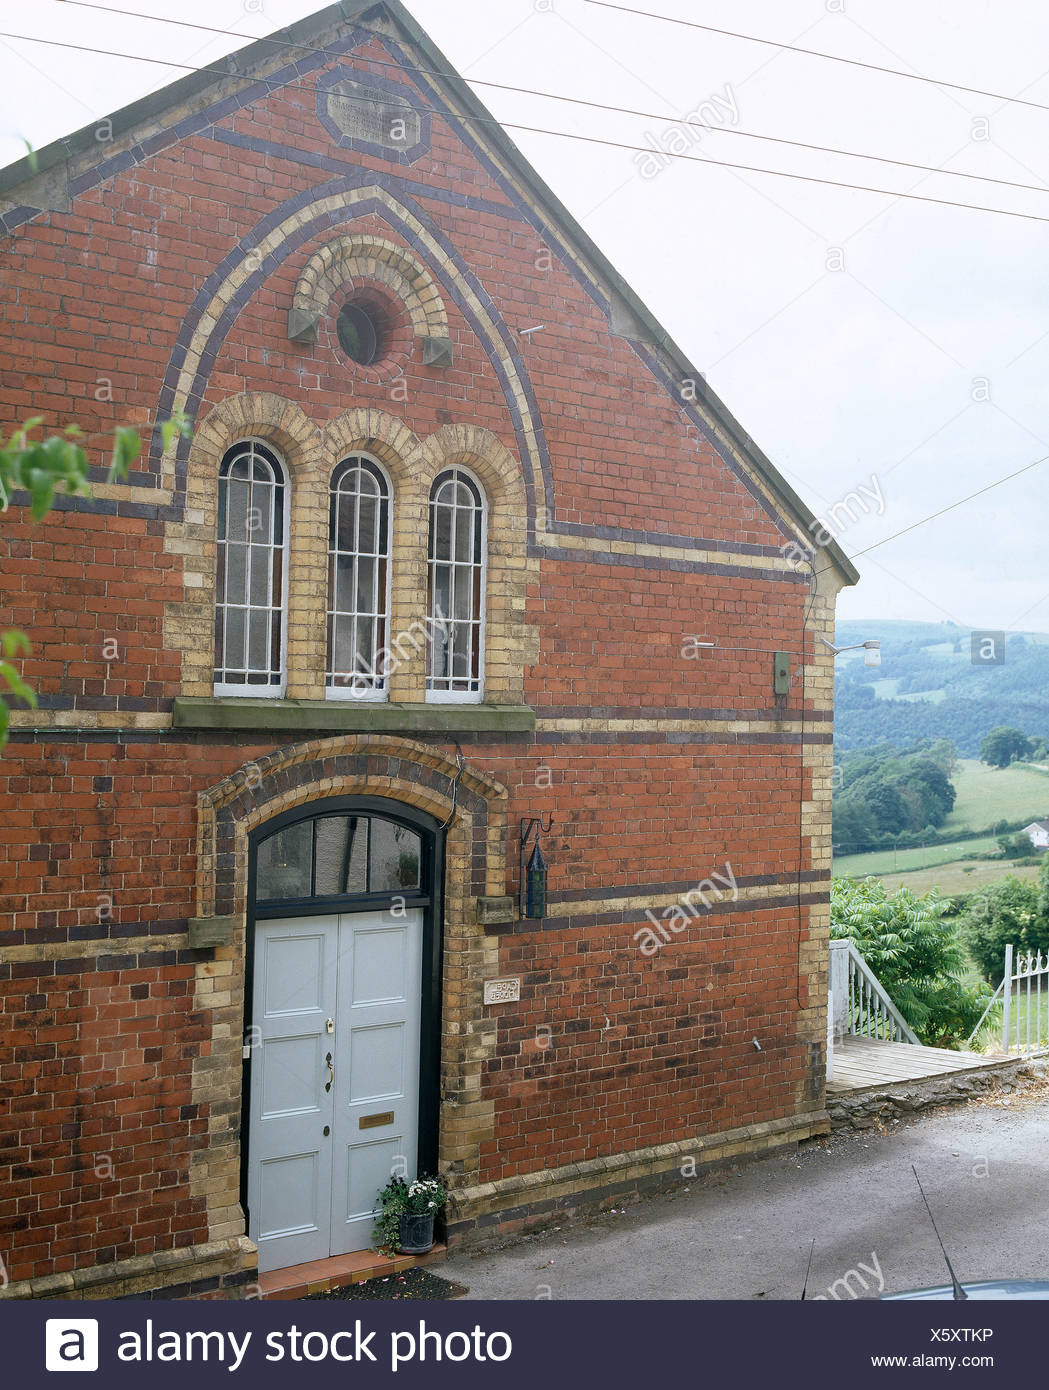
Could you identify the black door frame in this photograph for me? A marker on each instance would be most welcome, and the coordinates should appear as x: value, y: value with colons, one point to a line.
x: 429, y: 897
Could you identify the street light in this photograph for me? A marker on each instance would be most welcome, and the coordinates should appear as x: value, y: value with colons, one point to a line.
x: 871, y: 650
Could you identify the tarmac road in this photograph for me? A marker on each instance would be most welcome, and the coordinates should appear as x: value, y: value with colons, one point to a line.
x: 745, y: 1233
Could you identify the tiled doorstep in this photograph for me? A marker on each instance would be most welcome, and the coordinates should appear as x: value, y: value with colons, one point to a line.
x: 319, y: 1276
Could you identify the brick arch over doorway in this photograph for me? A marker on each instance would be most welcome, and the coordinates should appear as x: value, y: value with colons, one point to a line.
x: 475, y: 865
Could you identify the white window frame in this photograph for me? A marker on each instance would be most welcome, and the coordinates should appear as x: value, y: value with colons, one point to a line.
x: 346, y: 692
x: 276, y: 689
x: 457, y: 697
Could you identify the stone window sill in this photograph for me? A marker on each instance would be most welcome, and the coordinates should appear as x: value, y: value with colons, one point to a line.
x: 341, y: 716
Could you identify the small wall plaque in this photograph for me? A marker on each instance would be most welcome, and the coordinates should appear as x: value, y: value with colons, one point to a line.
x: 504, y: 991
x: 492, y: 910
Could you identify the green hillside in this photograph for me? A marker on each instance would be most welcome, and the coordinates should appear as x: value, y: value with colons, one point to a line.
x: 929, y: 687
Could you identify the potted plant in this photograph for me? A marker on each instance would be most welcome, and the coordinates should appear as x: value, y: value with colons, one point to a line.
x: 407, y: 1211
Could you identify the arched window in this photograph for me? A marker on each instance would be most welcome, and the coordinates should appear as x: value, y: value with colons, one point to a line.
x: 457, y: 562
x: 358, y: 580
x: 250, y: 583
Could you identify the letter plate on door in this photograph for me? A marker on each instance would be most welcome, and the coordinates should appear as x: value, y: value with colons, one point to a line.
x: 384, y: 1117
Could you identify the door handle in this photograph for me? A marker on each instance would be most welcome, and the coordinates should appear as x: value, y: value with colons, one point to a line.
x: 331, y: 1073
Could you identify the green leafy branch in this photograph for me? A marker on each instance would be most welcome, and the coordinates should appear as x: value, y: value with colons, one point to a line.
x: 43, y: 467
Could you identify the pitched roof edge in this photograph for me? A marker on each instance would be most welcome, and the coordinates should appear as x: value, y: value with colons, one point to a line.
x: 244, y: 64
x: 736, y: 436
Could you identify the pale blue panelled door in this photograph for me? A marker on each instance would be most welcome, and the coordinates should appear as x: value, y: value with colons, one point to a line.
x: 334, y: 1077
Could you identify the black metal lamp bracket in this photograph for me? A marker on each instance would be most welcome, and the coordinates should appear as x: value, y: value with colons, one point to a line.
x: 528, y: 824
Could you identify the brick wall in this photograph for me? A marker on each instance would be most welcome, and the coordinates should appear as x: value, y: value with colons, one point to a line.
x: 621, y: 527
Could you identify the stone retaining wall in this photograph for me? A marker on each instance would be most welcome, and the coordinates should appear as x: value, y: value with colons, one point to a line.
x: 865, y: 1108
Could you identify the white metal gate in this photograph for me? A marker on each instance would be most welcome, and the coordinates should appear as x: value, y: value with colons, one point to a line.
x: 1024, y: 998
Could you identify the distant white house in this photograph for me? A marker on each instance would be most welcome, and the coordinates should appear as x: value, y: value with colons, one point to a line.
x: 1038, y: 833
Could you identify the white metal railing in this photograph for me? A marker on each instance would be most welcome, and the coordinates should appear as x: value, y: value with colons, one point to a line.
x: 859, y: 1003
x: 1024, y: 997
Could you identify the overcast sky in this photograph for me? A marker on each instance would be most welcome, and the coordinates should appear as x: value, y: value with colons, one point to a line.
x: 861, y: 338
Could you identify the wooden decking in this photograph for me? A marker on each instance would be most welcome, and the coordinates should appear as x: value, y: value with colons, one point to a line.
x: 862, y: 1062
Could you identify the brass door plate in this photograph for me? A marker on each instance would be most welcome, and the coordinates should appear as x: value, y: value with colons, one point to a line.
x: 385, y: 1117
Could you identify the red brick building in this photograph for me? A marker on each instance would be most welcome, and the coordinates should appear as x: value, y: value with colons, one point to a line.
x: 459, y: 540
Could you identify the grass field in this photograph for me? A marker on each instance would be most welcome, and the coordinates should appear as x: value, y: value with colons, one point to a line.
x: 988, y: 794
x: 984, y: 795
x: 887, y: 861
x: 961, y: 876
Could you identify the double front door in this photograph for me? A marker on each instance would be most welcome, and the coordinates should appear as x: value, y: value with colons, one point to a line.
x: 334, y: 1078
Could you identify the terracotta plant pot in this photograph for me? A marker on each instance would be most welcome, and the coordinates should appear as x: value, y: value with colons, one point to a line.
x: 416, y: 1234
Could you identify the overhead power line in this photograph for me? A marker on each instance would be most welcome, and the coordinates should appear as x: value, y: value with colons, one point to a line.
x: 817, y: 53
x: 952, y: 506
x: 667, y: 117
x: 561, y: 134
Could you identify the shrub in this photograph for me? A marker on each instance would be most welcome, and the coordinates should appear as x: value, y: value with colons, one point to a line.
x: 999, y: 914
x: 916, y: 954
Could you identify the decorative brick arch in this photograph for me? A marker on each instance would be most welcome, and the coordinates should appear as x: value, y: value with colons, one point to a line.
x: 374, y: 432
x: 189, y: 625
x: 339, y: 263
x: 220, y: 301
x: 352, y: 764
x: 484, y: 452
x: 475, y: 865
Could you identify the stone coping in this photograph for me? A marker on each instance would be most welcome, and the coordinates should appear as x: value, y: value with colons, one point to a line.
x: 347, y: 716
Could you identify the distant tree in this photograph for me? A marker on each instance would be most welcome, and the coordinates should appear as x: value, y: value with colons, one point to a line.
x: 1003, y: 745
x: 886, y: 803
x: 916, y: 954
x: 1016, y: 846
x: 931, y: 790
x: 1039, y: 750
x: 901, y: 793
x: 944, y: 754
x: 855, y: 828
x: 1003, y: 913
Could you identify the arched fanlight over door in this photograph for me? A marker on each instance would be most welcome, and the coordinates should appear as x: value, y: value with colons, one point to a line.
x: 337, y: 856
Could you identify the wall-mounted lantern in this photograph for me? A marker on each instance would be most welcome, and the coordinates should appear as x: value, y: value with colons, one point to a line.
x: 533, y: 874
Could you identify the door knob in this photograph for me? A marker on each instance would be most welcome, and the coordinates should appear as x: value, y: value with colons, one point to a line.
x: 331, y: 1073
